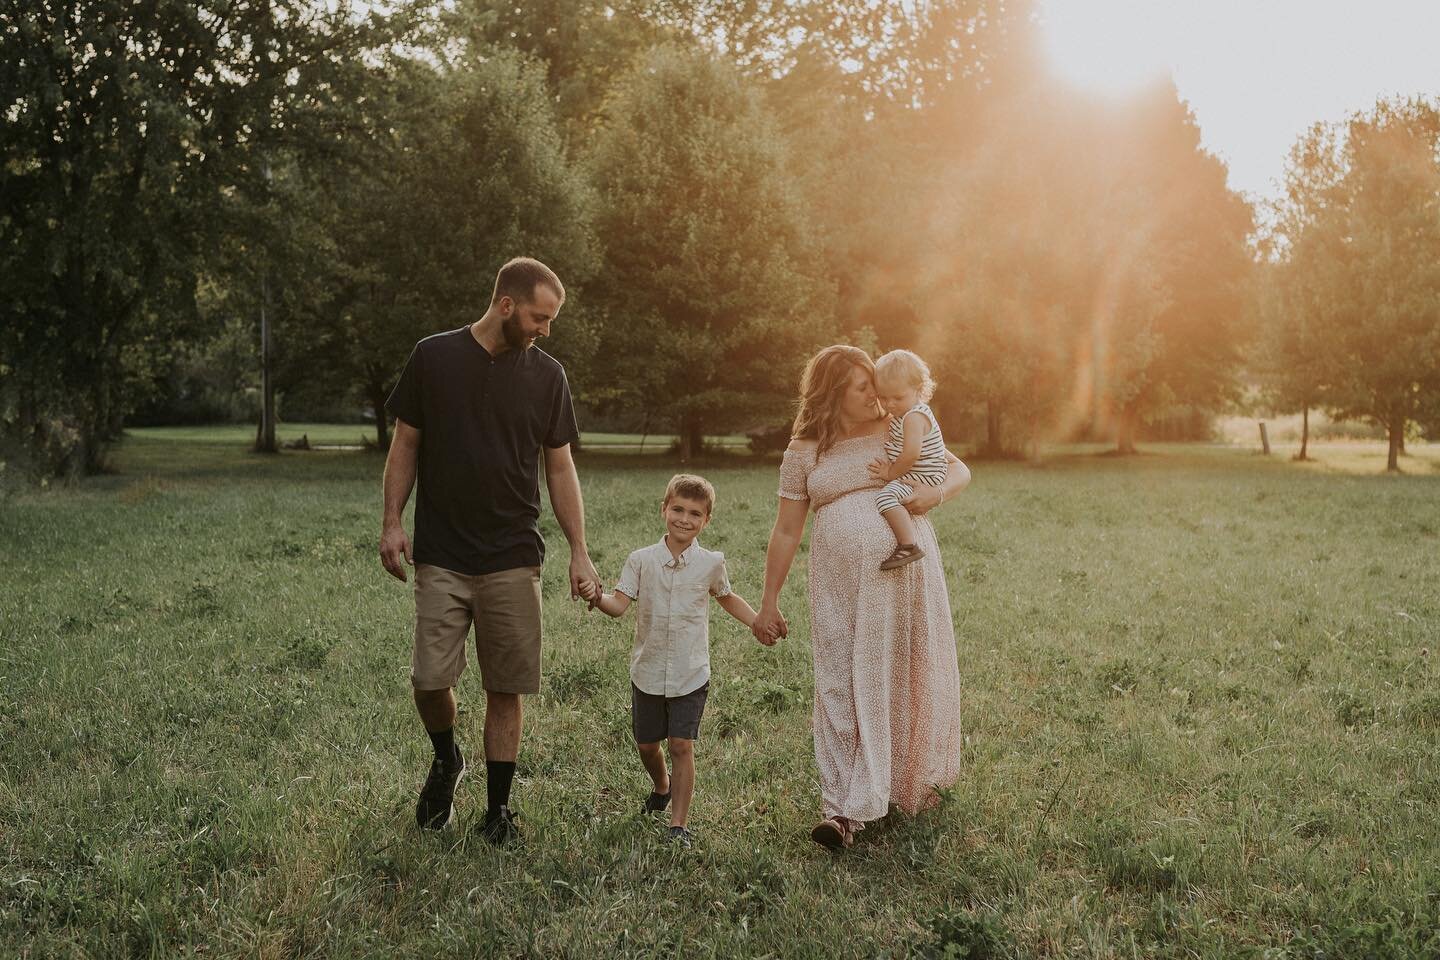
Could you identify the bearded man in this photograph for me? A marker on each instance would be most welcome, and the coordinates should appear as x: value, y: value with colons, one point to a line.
x: 473, y: 409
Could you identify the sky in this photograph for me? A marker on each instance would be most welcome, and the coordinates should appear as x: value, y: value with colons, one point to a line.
x: 1256, y: 73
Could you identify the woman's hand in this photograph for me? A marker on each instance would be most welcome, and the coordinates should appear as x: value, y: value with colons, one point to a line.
x: 769, y: 625
x: 926, y: 498
x: 923, y: 500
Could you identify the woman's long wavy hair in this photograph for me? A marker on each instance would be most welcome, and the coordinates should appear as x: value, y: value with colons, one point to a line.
x: 822, y: 390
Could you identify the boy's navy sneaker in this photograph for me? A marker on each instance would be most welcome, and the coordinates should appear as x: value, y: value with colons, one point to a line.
x: 655, y: 802
x: 499, y: 826
x: 680, y: 836
x: 437, y: 797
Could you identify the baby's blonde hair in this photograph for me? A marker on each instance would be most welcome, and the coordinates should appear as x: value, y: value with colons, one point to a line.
x: 903, y: 368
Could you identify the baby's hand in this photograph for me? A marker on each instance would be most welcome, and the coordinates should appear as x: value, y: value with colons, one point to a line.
x: 879, y: 469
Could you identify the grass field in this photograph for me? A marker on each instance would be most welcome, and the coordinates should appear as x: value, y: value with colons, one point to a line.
x: 1202, y: 714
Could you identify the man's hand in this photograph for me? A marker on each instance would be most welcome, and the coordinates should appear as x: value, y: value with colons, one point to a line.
x: 395, y: 551
x: 582, y: 571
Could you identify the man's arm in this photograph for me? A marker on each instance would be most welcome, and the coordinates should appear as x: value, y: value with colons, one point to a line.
x: 563, y: 483
x: 400, y: 467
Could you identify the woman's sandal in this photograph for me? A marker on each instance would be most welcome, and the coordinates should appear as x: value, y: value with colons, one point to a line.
x: 832, y: 835
x: 904, y: 553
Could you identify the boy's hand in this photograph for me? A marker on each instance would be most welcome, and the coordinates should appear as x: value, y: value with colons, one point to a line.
x: 590, y: 592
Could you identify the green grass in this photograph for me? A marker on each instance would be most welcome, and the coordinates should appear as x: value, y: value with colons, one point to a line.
x: 1201, y: 708
x: 359, y: 435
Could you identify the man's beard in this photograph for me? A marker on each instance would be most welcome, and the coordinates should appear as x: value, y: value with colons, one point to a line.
x: 514, y: 336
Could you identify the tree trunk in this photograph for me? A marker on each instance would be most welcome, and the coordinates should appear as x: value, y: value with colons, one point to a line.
x: 95, y: 423
x: 382, y: 423
x: 265, y: 436
x: 692, y: 437
x: 993, y: 440
x: 1304, y: 434
x: 1125, y: 432
x: 1397, y: 439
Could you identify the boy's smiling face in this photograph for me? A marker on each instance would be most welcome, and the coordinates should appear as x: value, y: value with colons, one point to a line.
x: 684, y: 519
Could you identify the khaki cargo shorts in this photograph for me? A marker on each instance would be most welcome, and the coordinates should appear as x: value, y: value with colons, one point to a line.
x: 504, y: 608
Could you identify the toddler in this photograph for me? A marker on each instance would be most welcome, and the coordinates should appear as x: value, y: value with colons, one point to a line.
x: 915, y: 448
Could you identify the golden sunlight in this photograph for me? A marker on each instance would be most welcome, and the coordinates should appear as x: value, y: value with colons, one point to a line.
x: 1108, y: 47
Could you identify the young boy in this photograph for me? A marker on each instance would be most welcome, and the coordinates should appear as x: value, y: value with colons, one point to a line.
x: 670, y: 662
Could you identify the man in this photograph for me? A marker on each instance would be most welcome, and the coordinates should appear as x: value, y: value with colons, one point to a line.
x: 473, y: 408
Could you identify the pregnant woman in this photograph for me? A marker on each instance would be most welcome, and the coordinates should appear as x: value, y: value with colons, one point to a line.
x: 887, y: 687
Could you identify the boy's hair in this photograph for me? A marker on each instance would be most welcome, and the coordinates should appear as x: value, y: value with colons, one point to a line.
x: 904, y: 367
x: 691, y: 487
x: 519, y: 278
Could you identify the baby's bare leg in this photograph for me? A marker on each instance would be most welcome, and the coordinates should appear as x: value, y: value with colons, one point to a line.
x: 889, y: 502
x: 901, y: 525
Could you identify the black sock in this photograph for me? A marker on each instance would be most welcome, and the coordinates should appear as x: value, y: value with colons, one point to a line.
x: 444, y: 741
x: 498, y: 774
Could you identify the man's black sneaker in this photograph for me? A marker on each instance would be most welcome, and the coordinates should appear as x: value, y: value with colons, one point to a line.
x: 680, y: 836
x: 437, y: 797
x: 499, y: 827
x: 655, y: 802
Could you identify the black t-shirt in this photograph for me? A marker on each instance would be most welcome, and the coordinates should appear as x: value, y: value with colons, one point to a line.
x: 482, y: 421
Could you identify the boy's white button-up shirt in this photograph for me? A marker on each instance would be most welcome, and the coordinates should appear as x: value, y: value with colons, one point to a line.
x: 671, y: 656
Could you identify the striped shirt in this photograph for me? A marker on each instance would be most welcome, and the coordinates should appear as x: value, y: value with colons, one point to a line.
x: 933, y: 465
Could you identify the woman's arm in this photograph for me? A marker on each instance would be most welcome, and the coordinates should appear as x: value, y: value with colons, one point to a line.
x: 925, y: 499
x: 779, y: 555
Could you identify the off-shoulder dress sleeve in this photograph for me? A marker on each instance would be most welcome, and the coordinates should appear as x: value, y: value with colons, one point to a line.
x: 795, y: 473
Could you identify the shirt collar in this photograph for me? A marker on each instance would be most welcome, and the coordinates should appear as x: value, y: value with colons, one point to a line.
x: 686, y: 556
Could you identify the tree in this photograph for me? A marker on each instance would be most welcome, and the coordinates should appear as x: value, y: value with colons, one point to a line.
x: 1003, y: 260
x: 1361, y: 239
x: 471, y: 172
x: 711, y: 291
x: 1173, y: 269
x: 130, y: 125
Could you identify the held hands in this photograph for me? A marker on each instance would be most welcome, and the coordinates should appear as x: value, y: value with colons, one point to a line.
x: 395, y: 551
x: 583, y: 572
x: 769, y: 626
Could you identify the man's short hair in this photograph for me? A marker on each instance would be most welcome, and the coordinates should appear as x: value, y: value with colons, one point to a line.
x: 691, y: 487
x: 519, y: 278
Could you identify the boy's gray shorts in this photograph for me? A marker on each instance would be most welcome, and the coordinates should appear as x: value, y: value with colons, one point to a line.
x: 654, y: 717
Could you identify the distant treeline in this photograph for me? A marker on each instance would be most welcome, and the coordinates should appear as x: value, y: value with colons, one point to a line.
x: 723, y: 187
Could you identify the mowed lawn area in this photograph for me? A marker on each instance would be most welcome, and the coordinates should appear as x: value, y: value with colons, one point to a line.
x: 1202, y: 717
